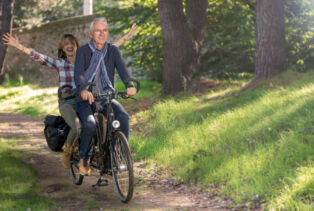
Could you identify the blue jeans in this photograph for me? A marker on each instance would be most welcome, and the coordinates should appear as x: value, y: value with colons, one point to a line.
x: 88, y: 123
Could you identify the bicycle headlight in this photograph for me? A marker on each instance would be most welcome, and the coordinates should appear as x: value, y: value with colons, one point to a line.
x: 115, y: 124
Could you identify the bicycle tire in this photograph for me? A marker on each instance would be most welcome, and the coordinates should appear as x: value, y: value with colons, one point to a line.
x: 75, y: 170
x: 122, y: 167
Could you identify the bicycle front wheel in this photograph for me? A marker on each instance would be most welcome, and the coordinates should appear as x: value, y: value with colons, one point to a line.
x: 122, y: 167
x: 75, y: 172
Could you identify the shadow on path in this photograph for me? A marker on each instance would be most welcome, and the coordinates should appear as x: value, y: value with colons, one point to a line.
x: 150, y: 193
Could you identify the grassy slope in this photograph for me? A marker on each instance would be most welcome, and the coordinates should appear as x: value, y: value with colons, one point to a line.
x: 30, y: 100
x: 18, y: 189
x: 257, y: 142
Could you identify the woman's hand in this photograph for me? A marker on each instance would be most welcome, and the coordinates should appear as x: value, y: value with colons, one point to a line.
x: 10, y: 40
x: 132, y: 31
x: 127, y: 36
x: 14, y: 42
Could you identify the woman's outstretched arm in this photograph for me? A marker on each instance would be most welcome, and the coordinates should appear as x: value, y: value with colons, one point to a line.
x: 127, y: 36
x: 14, y: 42
x: 40, y: 58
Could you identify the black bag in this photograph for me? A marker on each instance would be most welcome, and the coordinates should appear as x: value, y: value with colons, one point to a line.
x: 56, y: 131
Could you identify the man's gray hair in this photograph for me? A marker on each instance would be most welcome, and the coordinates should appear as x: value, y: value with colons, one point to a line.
x: 102, y: 19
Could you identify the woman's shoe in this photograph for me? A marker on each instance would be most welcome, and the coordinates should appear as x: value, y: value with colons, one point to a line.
x: 66, y: 158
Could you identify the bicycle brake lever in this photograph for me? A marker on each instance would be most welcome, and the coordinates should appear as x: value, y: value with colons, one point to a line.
x: 124, y: 95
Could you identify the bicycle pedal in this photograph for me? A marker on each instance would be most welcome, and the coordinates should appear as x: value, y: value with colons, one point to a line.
x: 101, y: 182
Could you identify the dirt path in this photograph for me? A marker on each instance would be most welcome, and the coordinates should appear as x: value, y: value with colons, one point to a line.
x: 152, y: 190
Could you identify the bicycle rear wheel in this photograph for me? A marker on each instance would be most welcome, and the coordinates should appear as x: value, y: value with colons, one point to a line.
x: 75, y: 169
x: 122, y: 167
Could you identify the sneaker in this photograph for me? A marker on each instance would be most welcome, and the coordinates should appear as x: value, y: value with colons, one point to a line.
x: 84, y: 167
x: 66, y: 158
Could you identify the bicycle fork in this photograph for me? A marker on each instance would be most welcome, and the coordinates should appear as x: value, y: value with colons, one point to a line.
x: 99, y: 155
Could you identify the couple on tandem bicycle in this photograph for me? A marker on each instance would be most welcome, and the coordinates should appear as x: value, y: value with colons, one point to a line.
x: 103, y: 143
x: 90, y: 69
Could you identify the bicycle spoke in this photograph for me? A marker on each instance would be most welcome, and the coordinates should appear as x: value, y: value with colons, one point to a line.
x: 74, y: 169
x: 122, y: 168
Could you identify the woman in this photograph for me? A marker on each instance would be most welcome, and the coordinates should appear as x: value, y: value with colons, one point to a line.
x: 64, y: 65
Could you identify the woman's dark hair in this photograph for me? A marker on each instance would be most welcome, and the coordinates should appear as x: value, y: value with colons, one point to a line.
x: 65, y: 37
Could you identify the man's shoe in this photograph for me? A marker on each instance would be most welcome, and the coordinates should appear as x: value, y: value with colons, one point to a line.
x: 84, y: 167
x: 66, y: 158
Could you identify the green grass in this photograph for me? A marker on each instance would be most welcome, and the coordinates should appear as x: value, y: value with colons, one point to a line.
x: 257, y: 142
x: 246, y: 143
x: 18, y: 186
x: 33, y: 101
x: 149, y: 89
x: 28, y: 99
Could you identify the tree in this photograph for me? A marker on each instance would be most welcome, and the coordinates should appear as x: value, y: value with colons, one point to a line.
x: 229, y: 44
x: 88, y: 7
x: 270, y: 39
x: 183, y: 31
x: 6, y: 12
x: 33, y: 12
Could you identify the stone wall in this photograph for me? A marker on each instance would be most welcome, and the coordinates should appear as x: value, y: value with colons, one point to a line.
x: 44, y: 39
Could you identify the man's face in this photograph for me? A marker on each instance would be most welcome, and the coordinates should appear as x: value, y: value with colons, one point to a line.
x: 99, y: 33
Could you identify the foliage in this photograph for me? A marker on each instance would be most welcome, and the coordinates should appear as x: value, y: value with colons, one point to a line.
x: 229, y: 43
x: 300, y: 34
x: 33, y: 12
x: 228, y: 48
x: 251, y: 144
x: 145, y: 49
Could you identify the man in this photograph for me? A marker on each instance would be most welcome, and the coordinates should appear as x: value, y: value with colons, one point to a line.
x: 96, y: 62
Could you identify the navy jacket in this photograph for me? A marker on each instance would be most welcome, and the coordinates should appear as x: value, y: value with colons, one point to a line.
x: 113, y: 60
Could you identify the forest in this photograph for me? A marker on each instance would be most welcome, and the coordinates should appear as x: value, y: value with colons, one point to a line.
x: 225, y: 112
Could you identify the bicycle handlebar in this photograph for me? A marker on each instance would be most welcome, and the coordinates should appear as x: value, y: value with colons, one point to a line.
x: 114, y: 94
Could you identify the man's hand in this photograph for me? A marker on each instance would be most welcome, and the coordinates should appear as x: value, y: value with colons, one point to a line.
x: 130, y: 91
x: 86, y: 95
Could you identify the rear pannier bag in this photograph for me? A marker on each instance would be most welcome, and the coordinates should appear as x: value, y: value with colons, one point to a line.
x: 56, y: 131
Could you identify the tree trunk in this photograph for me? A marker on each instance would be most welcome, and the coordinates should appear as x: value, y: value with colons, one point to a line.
x: 88, y: 7
x: 270, y: 39
x: 183, y: 34
x: 6, y: 12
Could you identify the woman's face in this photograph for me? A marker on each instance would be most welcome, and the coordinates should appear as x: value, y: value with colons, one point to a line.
x: 69, y: 48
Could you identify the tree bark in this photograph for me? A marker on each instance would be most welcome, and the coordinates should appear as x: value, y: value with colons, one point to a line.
x: 88, y: 7
x: 270, y: 50
x: 183, y: 34
x: 6, y: 12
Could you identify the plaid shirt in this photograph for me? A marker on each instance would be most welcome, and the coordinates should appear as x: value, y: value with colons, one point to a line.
x: 64, y: 68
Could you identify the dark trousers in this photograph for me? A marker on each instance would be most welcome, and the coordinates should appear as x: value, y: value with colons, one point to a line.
x: 88, y: 123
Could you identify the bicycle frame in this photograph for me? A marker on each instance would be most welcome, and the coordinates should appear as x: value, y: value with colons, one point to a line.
x: 104, y: 147
x: 110, y: 153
